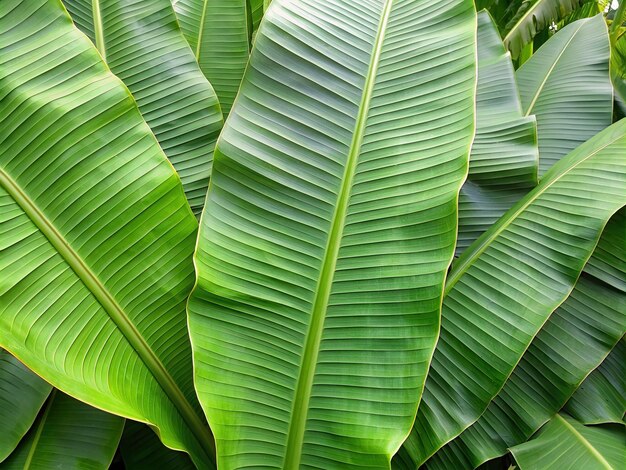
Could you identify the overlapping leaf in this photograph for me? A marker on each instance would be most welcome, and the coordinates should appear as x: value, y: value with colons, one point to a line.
x: 22, y: 394
x: 602, y: 396
x: 330, y: 222
x: 565, y: 443
x: 96, y: 234
x: 68, y: 435
x: 141, y: 450
x: 143, y: 45
x: 219, y: 33
x: 506, y: 285
x: 566, y: 85
x: 576, y: 339
x: 504, y: 159
x: 525, y: 18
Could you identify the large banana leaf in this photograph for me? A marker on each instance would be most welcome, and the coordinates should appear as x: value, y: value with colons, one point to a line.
x: 219, y: 33
x: 526, y: 18
x: 602, y: 396
x: 565, y: 443
x: 576, y: 339
x: 507, y: 283
x: 141, y: 450
x: 330, y: 222
x: 96, y: 233
x: 68, y: 435
x: 143, y: 45
x: 503, y: 161
x: 22, y: 395
x: 567, y: 85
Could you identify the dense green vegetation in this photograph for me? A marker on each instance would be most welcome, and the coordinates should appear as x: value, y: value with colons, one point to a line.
x: 312, y: 234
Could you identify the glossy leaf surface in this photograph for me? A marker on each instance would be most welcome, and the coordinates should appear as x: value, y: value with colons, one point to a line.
x: 565, y: 443
x: 329, y: 225
x: 98, y: 220
x: 566, y: 85
x: 143, y: 45
x: 507, y: 283
x: 504, y: 158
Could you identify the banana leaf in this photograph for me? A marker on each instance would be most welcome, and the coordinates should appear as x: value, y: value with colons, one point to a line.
x: 141, y: 450
x: 575, y: 340
x: 566, y: 84
x: 601, y: 398
x: 22, y: 394
x: 565, y: 443
x: 143, y: 45
x: 506, y: 284
x: 97, y: 235
x: 329, y: 225
x: 68, y: 435
x: 504, y: 158
x: 219, y: 32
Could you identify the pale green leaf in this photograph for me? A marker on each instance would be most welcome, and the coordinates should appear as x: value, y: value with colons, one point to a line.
x: 219, y: 33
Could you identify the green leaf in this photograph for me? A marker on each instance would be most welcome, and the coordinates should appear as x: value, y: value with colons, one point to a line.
x: 576, y: 339
x: 565, y: 443
x: 608, y: 262
x: 503, y: 161
x: 143, y: 45
x: 219, y: 33
x: 257, y: 9
x: 97, y: 236
x: 141, y: 449
x: 602, y: 396
x: 22, y: 395
x: 329, y: 225
x: 566, y: 84
x: 618, y: 68
x: 68, y: 435
x: 529, y: 17
x: 507, y: 283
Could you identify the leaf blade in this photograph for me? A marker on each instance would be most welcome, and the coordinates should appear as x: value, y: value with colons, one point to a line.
x: 293, y: 168
x: 143, y: 45
x: 540, y: 233
x: 102, y: 229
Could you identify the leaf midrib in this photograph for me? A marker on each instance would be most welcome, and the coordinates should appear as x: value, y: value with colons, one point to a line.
x: 584, y: 442
x: 506, y: 220
x: 115, y: 312
x: 39, y: 431
x: 550, y: 70
x: 98, y: 27
x: 201, y: 28
x: 302, y: 397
